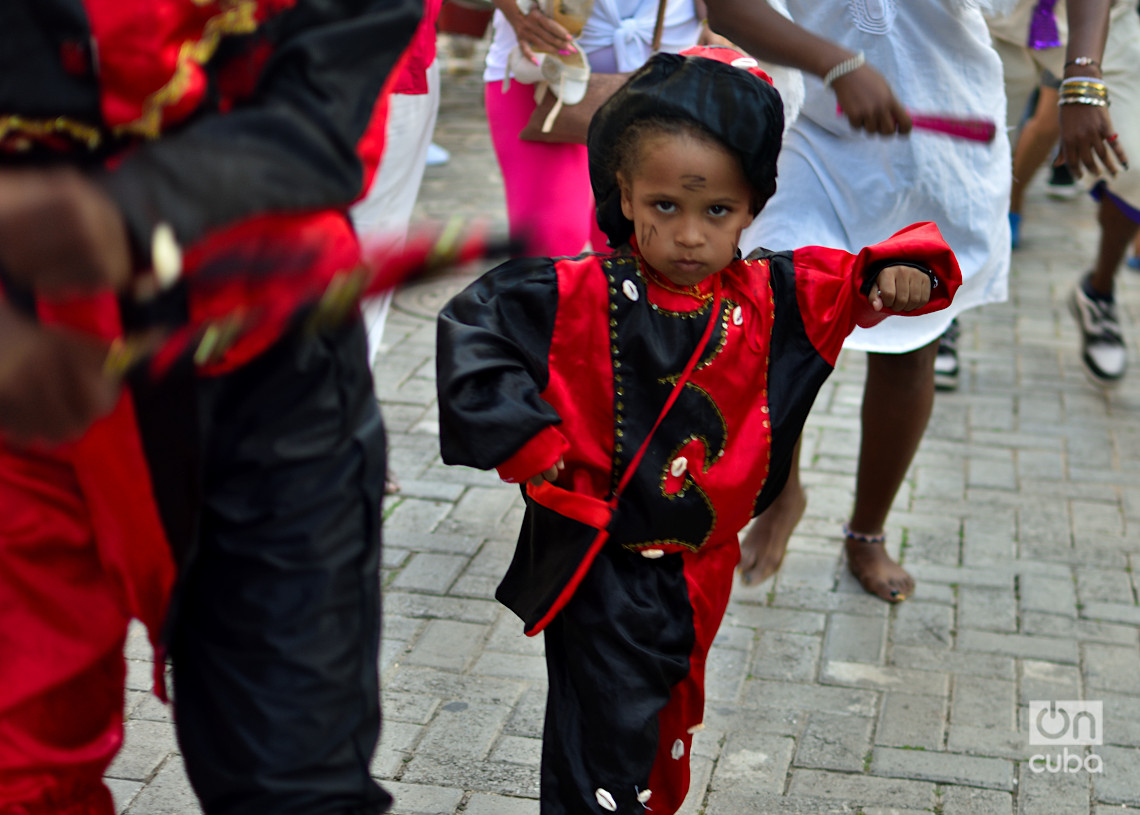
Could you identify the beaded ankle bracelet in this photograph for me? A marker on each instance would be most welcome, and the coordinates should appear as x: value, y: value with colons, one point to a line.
x: 863, y: 538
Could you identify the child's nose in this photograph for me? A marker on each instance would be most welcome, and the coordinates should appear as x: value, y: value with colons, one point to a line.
x: 689, y: 232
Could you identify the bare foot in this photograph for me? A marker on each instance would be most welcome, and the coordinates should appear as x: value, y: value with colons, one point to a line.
x: 766, y: 541
x: 876, y: 572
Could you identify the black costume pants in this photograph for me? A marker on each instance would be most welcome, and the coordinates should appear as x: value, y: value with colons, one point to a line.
x: 275, y: 623
x: 614, y: 656
x: 625, y: 660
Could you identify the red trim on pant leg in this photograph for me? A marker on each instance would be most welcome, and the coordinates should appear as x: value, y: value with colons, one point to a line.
x: 708, y: 574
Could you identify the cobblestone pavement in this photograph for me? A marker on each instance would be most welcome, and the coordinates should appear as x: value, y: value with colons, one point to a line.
x: 1020, y: 519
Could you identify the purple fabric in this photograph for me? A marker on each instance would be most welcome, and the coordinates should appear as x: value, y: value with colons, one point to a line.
x: 1101, y: 190
x: 1043, y: 26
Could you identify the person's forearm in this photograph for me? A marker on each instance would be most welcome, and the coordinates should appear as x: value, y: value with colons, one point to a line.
x: 766, y: 34
x: 1087, y: 134
x: 511, y: 11
x: 1088, y: 29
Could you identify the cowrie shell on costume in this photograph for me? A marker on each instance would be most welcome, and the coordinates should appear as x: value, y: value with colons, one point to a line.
x: 678, y: 751
x: 644, y: 796
x: 744, y: 62
x: 629, y: 289
x: 605, y: 800
x: 653, y: 554
x: 679, y: 465
x: 737, y: 316
x: 165, y: 256
x: 697, y: 728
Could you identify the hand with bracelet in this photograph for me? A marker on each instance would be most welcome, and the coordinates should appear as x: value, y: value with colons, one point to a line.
x: 866, y: 98
x: 1088, y: 138
x: 1087, y: 132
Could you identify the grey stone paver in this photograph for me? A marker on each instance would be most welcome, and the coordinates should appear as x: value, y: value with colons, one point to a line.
x: 1020, y: 520
x: 834, y: 742
x: 950, y: 768
x: 910, y: 720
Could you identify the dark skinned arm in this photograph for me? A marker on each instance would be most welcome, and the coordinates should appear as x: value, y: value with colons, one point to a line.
x: 1087, y: 130
x: 864, y: 95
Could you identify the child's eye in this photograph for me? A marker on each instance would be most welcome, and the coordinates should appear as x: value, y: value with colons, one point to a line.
x: 665, y: 206
x: 719, y: 210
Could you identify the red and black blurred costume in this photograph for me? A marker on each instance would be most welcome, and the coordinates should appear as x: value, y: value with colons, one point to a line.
x: 575, y: 358
x: 232, y: 121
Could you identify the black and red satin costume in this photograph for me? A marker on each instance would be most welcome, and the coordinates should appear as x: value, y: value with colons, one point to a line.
x: 232, y: 121
x: 575, y: 358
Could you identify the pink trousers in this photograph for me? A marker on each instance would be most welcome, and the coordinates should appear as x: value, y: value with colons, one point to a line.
x: 550, y: 207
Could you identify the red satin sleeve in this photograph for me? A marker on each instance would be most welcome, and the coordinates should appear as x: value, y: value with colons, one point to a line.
x: 828, y: 283
x: 536, y: 456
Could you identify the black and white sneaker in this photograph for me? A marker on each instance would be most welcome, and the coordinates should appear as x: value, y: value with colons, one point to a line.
x: 1061, y: 184
x: 946, y: 362
x: 1102, y: 342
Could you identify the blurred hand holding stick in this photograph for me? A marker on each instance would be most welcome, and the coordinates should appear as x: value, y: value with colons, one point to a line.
x: 63, y: 239
x: 283, y: 293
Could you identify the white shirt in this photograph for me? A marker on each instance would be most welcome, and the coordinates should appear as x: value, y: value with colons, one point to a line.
x: 616, y: 38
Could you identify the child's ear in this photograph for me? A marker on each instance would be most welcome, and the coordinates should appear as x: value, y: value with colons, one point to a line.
x: 626, y: 195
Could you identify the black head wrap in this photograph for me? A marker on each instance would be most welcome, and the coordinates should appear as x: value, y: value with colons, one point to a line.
x: 734, y: 102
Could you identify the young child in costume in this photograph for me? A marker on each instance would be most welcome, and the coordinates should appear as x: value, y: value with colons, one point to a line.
x: 650, y: 400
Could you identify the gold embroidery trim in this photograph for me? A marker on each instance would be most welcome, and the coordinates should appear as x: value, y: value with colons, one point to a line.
x: 16, y: 126
x: 715, y: 408
x: 702, y: 307
x: 235, y: 17
x: 684, y: 544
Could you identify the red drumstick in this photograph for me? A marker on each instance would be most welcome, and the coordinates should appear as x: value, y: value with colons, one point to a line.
x: 959, y: 127
x: 949, y: 124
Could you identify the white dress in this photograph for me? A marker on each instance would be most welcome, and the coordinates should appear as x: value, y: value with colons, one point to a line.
x: 846, y: 189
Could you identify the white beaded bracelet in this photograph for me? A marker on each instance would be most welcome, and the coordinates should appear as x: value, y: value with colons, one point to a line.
x: 844, y: 68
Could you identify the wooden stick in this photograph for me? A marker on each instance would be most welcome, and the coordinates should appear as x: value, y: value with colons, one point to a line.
x: 659, y: 26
